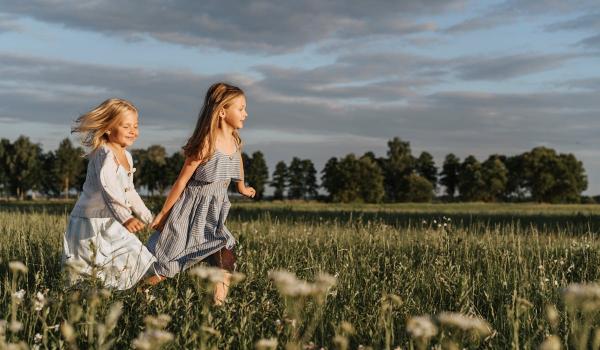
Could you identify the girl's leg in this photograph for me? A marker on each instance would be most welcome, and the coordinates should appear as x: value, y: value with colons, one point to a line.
x: 223, y: 259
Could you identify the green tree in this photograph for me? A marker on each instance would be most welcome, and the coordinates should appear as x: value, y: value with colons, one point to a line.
x: 553, y: 178
x: 371, y: 179
x: 296, y: 179
x: 449, y: 174
x: 309, y: 179
x: 24, y: 170
x: 257, y: 173
x: 50, y: 183
x: 398, y: 165
x: 6, y: 149
x: 471, y: 183
x: 173, y: 168
x: 516, y: 184
x: 495, y: 176
x: 348, y: 172
x: 68, y: 164
x: 420, y: 189
x: 425, y: 166
x: 280, y: 179
x: 330, y: 178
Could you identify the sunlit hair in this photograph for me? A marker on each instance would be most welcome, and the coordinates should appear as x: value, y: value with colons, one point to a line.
x: 93, y: 125
x: 219, y: 95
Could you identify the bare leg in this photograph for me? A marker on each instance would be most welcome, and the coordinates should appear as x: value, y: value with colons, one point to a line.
x: 221, y: 289
x: 154, y: 279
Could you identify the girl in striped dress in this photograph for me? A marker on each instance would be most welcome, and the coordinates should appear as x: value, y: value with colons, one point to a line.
x: 191, y: 225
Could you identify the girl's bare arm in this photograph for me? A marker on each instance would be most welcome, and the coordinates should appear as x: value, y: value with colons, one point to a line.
x: 185, y: 174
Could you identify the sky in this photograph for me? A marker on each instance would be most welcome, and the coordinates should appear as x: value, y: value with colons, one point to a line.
x: 322, y: 78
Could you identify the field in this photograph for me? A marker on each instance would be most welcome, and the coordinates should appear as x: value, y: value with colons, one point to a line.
x: 508, y: 274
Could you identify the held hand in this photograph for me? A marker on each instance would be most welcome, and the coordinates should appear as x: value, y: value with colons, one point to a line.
x: 159, y: 222
x: 133, y: 225
x: 248, y: 192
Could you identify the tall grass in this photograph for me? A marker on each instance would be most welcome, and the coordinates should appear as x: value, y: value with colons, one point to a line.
x: 389, y: 266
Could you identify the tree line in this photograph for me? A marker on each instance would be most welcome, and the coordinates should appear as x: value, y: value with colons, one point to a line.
x: 540, y: 174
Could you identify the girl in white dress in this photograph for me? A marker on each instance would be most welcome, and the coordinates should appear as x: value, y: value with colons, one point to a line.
x: 100, y: 238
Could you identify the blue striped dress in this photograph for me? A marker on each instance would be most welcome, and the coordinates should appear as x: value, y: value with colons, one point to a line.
x: 195, y: 228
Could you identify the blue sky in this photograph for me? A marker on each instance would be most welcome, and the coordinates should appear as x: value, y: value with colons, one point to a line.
x: 323, y: 79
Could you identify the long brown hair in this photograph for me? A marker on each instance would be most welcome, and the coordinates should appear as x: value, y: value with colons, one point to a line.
x: 93, y: 125
x: 218, y: 96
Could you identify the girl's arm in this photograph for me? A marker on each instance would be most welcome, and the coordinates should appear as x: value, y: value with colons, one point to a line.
x: 185, y: 174
x: 241, y: 186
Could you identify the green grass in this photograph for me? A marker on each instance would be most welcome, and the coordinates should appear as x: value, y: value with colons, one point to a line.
x: 490, y: 255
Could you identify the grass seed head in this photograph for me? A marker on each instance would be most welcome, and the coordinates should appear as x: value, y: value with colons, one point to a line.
x: 421, y: 327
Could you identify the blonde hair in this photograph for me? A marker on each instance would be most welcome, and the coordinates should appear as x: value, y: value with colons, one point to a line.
x: 93, y: 125
x: 219, y: 95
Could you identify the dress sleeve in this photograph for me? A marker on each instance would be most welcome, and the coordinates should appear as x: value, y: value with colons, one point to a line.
x: 111, y: 190
x: 137, y: 204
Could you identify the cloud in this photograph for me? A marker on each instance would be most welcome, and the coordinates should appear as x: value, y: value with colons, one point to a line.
x: 509, y: 66
x: 10, y: 24
x: 256, y: 26
x: 511, y: 11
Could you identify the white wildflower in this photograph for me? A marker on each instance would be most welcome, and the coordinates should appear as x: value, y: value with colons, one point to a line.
x: 152, y: 339
x: 208, y: 273
x: 19, y: 296
x: 465, y: 323
x: 421, y: 327
x: 37, y: 338
x: 39, y: 302
x: 266, y: 344
x: 551, y: 343
x: 15, y: 326
x: 585, y: 297
x: 17, y: 266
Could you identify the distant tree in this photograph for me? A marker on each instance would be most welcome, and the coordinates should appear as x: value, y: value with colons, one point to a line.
x: 449, y: 174
x: 50, y: 182
x: 348, y: 173
x: 471, y: 183
x: 420, y: 189
x: 140, y: 160
x: 309, y: 179
x: 68, y: 165
x: 330, y: 178
x: 6, y: 149
x: 398, y: 165
x: 425, y: 166
x: 371, y: 180
x: 296, y: 179
x: 155, y: 169
x: 354, y: 180
x: 257, y: 173
x: 495, y: 176
x: 516, y: 183
x: 173, y: 168
x: 280, y: 179
x: 553, y: 178
x: 24, y: 172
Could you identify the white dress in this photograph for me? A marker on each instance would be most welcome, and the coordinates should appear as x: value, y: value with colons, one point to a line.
x: 103, y: 244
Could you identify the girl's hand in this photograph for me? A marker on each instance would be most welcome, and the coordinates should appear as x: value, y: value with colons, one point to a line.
x: 159, y: 221
x: 133, y: 225
x: 248, y: 192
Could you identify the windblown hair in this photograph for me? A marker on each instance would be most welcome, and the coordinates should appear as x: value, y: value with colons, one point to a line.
x: 94, y: 124
x: 202, y: 142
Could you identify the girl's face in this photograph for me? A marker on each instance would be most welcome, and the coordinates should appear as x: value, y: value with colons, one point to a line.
x: 235, y: 114
x: 125, y: 131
